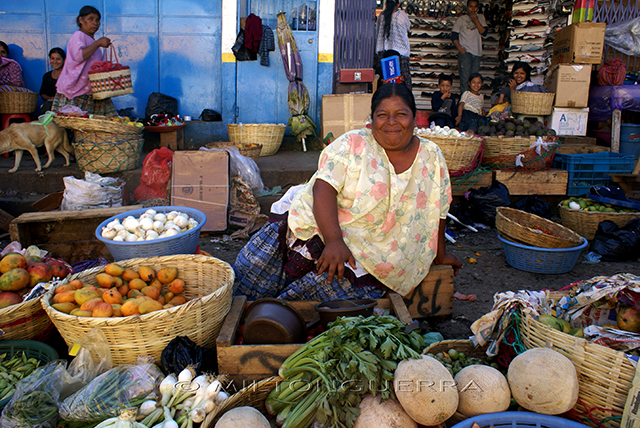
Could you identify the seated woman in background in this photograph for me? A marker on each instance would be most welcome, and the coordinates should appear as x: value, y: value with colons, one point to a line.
x: 48, y: 87
x: 10, y: 71
x: 501, y: 101
x: 370, y: 220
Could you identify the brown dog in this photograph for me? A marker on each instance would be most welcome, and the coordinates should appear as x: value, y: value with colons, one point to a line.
x: 29, y: 136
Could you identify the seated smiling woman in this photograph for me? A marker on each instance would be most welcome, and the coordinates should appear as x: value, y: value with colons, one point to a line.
x: 370, y: 220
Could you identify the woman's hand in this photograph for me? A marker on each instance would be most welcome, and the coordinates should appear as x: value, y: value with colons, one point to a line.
x: 458, y: 119
x: 512, y: 84
x: 333, y: 258
x: 451, y: 260
x: 104, y: 42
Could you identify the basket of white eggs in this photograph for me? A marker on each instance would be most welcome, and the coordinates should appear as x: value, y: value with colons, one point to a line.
x: 148, y: 232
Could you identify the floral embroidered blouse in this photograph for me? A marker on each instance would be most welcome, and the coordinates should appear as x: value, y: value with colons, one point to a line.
x: 389, y: 221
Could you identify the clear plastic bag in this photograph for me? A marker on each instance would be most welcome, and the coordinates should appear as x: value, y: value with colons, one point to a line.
x: 35, y: 401
x: 245, y: 168
x: 119, y: 388
x: 624, y: 36
x: 94, y: 191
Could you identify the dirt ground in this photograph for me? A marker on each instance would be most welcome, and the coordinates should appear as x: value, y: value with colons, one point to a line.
x: 491, y: 274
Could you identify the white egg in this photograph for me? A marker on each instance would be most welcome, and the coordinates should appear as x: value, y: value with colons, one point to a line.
x: 160, y: 217
x: 146, y: 223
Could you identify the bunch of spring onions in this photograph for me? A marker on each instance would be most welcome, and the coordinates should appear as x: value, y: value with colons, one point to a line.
x: 325, y: 380
x: 185, y: 400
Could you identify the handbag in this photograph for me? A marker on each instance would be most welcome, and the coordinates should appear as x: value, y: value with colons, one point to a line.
x: 110, y: 78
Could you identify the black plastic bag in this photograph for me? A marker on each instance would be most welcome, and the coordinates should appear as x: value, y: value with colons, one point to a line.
x: 209, y: 115
x: 479, y: 205
x: 617, y: 244
x: 534, y: 205
x: 159, y: 103
x: 182, y: 352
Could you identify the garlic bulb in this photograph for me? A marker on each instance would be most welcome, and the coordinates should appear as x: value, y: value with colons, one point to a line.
x: 146, y: 223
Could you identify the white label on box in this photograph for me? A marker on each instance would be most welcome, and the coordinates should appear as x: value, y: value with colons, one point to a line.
x: 566, y: 121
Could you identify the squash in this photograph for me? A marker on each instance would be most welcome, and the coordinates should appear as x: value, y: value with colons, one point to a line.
x: 544, y: 381
x: 482, y: 389
x: 243, y: 417
x: 426, y: 390
x: 389, y: 414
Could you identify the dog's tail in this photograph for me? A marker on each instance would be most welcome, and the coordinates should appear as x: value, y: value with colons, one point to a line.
x: 65, y: 142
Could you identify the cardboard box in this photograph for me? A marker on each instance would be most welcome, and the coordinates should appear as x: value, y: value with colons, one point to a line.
x: 200, y: 180
x: 570, y: 82
x: 579, y: 43
x: 344, y: 112
x: 352, y: 88
x: 356, y: 75
x: 568, y: 121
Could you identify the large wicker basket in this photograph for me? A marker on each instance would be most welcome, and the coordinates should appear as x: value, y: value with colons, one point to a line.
x: 25, y: 320
x: 253, y: 395
x: 104, y: 152
x: 500, y: 146
x: 18, y: 102
x: 585, y: 223
x: 208, y: 289
x: 530, y: 229
x: 604, y: 375
x: 270, y: 135
x: 250, y: 150
x: 535, y: 103
x: 501, y: 153
x: 96, y: 124
x: 458, y: 152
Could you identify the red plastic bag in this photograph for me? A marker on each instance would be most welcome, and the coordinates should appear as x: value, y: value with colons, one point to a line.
x: 156, y: 173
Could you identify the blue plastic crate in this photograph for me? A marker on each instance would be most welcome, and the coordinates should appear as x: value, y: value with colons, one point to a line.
x: 541, y: 260
x: 592, y: 169
x: 183, y: 243
x: 518, y: 420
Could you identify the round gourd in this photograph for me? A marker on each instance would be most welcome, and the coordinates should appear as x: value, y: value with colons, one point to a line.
x: 389, y: 414
x: 426, y: 390
x: 544, y: 381
x: 243, y: 417
x: 482, y: 389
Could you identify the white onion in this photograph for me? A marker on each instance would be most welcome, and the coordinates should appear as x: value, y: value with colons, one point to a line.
x: 118, y: 238
x: 118, y: 227
x: 151, y: 212
x: 122, y: 233
x: 146, y: 223
x: 172, y: 215
x: 151, y: 234
x: 131, y: 237
x: 160, y: 217
x: 169, y: 224
x: 172, y: 232
x: 192, y: 223
x: 181, y: 221
x: 131, y: 224
x: 158, y: 226
x: 108, y: 233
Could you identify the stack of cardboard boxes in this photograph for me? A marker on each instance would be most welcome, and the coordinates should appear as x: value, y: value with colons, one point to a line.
x: 575, y: 49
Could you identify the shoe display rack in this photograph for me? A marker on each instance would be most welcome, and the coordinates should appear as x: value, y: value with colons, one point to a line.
x: 433, y: 52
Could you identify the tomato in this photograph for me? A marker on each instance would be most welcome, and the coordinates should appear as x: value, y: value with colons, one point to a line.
x: 239, y: 341
x: 319, y: 329
x: 309, y: 337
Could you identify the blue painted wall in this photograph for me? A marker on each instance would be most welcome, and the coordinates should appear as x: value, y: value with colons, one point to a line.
x: 171, y: 46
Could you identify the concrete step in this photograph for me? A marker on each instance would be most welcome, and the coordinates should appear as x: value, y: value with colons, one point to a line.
x: 22, y: 188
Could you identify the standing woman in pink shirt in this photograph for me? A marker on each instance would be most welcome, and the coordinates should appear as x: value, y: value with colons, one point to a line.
x: 83, y: 51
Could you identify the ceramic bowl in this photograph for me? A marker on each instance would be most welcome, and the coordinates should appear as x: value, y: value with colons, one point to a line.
x: 269, y: 321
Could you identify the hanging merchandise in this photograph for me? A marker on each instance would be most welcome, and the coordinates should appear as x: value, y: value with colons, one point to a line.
x: 252, y: 33
x: 267, y: 44
x: 240, y: 52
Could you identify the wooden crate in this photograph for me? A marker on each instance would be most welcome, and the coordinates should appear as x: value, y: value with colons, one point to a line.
x: 546, y: 182
x: 434, y: 296
x: 247, y: 363
x: 69, y: 235
x: 459, y: 185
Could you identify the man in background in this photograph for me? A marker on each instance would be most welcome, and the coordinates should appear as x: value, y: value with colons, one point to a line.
x: 467, y: 36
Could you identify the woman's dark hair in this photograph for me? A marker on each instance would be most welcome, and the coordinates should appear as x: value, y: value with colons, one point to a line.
x: 525, y: 67
x: 4, y: 45
x: 445, y: 78
x: 474, y: 75
x: 387, y: 13
x: 59, y: 51
x: 87, y: 10
x: 393, y: 89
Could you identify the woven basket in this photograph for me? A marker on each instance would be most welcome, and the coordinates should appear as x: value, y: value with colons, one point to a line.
x: 458, y: 152
x: 270, y: 135
x: 501, y: 153
x: 464, y: 346
x: 250, y: 150
x: 18, y: 102
x: 585, y: 223
x: 538, y: 103
x: 604, y: 375
x: 111, y: 84
x: 104, y: 152
x: 519, y: 226
x: 253, y: 395
x: 25, y: 320
x: 499, y: 146
x: 208, y: 289
x: 96, y: 124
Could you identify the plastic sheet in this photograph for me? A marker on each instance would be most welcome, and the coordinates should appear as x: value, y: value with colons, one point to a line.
x: 624, y: 36
x: 603, y: 100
